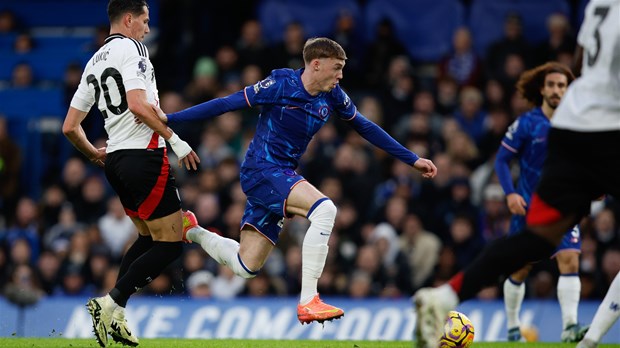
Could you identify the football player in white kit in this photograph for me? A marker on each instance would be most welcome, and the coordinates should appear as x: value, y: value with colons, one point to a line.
x: 583, y: 163
x: 119, y: 79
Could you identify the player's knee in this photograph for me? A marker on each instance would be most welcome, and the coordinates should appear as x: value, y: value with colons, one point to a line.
x: 324, y: 214
x: 240, y: 269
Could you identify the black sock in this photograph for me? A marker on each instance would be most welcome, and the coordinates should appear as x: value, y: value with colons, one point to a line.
x: 139, y: 247
x: 503, y: 257
x: 144, y: 269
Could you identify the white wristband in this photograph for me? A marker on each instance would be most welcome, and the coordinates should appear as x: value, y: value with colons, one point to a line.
x: 173, y: 139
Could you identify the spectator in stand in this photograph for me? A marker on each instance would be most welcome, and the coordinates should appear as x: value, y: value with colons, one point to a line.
x: 116, y: 228
x: 22, y: 76
x: 227, y: 284
x: 288, y: 53
x: 73, y: 176
x: 605, y: 232
x: 381, y: 51
x: 47, y: 267
x: 8, y: 22
x: 23, y: 285
x: 470, y: 115
x: 395, y: 263
x: 65, y: 228
x: 447, y: 96
x: 349, y: 35
x: 421, y: 248
x: 10, y: 164
x: 25, y: 227
x: 513, y: 42
x: 560, y: 40
x: 199, y: 284
x: 462, y: 64
x: 92, y: 204
x: 24, y: 43
x: 251, y: 48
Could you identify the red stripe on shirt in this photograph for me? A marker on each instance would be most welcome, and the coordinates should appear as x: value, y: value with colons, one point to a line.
x: 152, y: 201
x: 154, y: 143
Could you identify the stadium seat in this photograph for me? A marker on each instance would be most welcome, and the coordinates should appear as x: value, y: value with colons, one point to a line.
x: 487, y: 19
x: 424, y: 26
x: 47, y: 64
x: 318, y: 17
x: 32, y: 102
x: 75, y: 13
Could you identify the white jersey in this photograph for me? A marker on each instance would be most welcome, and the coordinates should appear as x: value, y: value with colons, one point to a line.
x: 122, y: 64
x: 592, y: 102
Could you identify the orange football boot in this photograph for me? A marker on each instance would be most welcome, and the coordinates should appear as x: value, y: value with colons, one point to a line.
x: 317, y: 310
x: 189, y: 222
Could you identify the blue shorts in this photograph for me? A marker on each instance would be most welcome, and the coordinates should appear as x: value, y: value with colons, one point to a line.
x: 267, y: 190
x: 571, y: 240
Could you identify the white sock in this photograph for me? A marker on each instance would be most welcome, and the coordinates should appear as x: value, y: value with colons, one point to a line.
x: 513, y: 298
x: 569, y: 292
x: 223, y: 250
x: 447, y: 295
x: 607, y: 313
x: 109, y: 303
x: 314, y: 248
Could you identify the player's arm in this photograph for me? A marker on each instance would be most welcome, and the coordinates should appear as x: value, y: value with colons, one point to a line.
x: 381, y: 139
x: 72, y: 129
x: 505, y: 154
x: 208, y: 110
x: 139, y: 106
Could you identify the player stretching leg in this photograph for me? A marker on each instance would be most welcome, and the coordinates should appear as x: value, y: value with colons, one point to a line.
x: 296, y: 104
x: 583, y: 163
x: 526, y: 139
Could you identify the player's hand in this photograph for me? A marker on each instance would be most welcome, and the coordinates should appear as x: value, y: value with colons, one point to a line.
x: 190, y: 161
x: 99, y: 158
x: 516, y: 204
x: 426, y: 167
x: 160, y: 113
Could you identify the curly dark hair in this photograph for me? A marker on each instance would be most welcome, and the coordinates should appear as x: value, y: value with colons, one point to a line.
x: 116, y: 8
x: 531, y: 81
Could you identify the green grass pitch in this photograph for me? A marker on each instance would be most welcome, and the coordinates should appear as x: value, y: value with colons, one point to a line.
x: 218, y: 343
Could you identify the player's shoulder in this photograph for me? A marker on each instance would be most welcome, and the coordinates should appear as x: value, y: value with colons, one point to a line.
x: 532, y: 116
x: 127, y: 44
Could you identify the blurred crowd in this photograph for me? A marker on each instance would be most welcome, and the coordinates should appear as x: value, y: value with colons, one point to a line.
x: 394, y: 231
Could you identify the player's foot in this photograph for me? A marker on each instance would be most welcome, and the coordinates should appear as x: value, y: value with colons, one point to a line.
x: 119, y: 330
x: 431, y: 311
x: 317, y: 310
x: 101, y: 310
x: 514, y: 334
x: 189, y: 222
x: 574, y: 332
x: 586, y: 343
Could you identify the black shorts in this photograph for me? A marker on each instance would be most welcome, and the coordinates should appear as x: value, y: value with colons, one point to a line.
x: 580, y: 167
x: 144, y: 181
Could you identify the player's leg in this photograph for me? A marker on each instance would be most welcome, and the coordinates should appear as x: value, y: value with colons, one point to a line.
x: 244, y: 258
x: 514, y: 293
x: 607, y: 314
x: 305, y: 200
x: 569, y: 285
x: 143, y: 243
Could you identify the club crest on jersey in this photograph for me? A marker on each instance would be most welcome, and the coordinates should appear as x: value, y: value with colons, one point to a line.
x: 323, y: 111
x: 264, y: 84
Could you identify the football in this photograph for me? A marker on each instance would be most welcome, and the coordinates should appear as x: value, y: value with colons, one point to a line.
x: 458, y: 331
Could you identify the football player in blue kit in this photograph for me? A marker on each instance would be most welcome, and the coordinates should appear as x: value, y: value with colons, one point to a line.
x: 295, y: 105
x: 526, y: 140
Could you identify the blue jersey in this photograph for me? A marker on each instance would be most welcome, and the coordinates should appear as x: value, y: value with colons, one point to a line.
x: 526, y: 139
x: 290, y: 117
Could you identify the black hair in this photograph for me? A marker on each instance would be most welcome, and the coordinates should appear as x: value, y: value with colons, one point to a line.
x: 116, y: 8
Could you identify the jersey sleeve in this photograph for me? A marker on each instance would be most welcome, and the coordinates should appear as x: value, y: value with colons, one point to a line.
x: 134, y: 65
x: 516, y: 135
x: 264, y: 92
x: 342, y: 104
x: 84, y: 98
